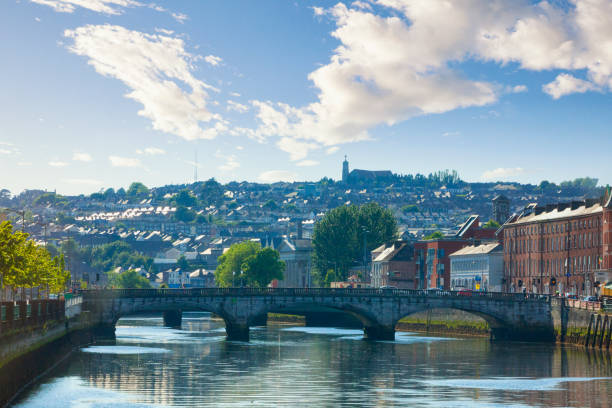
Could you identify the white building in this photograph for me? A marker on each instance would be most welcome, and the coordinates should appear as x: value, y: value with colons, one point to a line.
x: 478, y: 267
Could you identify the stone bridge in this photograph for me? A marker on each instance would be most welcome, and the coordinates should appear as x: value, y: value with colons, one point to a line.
x: 511, y: 316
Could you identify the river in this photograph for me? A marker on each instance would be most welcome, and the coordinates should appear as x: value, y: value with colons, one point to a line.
x: 153, y: 366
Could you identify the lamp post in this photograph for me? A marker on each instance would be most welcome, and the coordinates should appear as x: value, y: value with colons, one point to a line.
x: 365, y: 255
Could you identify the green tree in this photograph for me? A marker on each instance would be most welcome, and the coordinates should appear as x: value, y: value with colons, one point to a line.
x: 186, y: 199
x: 338, y: 237
x: 128, y: 280
x: 184, y: 214
x: 23, y: 264
x: 137, y: 191
x: 182, y: 263
x: 263, y: 267
x: 246, y: 263
x: 410, y: 208
x: 491, y: 224
x: 434, y: 235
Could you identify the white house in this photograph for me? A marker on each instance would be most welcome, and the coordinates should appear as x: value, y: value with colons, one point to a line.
x: 478, y: 267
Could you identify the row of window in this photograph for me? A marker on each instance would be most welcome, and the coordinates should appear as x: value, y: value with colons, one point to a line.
x: 555, y: 267
x: 576, y: 241
x: 538, y: 229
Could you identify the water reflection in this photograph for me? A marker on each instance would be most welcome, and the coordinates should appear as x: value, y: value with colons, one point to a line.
x: 319, y: 367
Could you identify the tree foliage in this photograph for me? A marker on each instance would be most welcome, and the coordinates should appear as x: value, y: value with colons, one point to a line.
x: 23, y: 264
x: 248, y: 264
x: 338, y: 237
x: 129, y: 279
x: 491, y: 224
x: 137, y: 191
x: 434, y: 235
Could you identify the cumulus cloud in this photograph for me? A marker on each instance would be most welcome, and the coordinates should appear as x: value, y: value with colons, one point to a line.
x: 231, y: 161
x: 396, y: 63
x: 83, y: 157
x: 502, y: 173
x: 566, y: 84
x: 213, y: 60
x: 112, y: 7
x: 235, y: 106
x: 151, y: 151
x: 332, y: 150
x: 158, y: 71
x: 272, y: 176
x: 57, y: 163
x: 118, y: 161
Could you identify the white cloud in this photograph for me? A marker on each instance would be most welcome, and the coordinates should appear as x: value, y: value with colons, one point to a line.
x: 235, y: 94
x: 84, y: 157
x: 231, y: 161
x: 361, y: 5
x: 306, y: 163
x: 297, y: 150
x: 235, y: 106
x: 157, y: 69
x: 100, y: 6
x: 57, y: 164
x: 239, y: 148
x: 332, y: 150
x: 502, y: 173
x: 518, y: 89
x: 318, y: 11
x: 83, y: 181
x: 5, y: 151
x: 23, y: 164
x: 118, y: 161
x: 213, y: 60
x: 405, y: 59
x: 272, y: 176
x: 37, y: 19
x: 151, y: 151
x: 566, y: 84
x: 180, y: 17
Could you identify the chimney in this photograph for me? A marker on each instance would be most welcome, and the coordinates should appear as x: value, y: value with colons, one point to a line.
x: 299, y: 229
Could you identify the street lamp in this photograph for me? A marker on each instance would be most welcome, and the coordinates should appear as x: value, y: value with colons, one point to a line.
x: 365, y: 256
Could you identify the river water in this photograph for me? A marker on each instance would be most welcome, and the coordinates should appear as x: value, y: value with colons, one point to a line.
x: 153, y: 366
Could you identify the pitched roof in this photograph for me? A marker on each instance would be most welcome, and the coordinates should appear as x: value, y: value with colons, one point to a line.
x: 479, y: 249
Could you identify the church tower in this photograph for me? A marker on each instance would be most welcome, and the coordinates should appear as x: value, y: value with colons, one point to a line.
x: 345, y: 170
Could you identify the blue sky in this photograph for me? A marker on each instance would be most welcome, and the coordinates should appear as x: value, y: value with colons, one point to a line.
x: 100, y: 93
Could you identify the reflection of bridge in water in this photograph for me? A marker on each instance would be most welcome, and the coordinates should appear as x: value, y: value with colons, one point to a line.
x: 510, y: 315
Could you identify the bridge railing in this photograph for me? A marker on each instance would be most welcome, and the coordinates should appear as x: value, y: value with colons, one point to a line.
x: 293, y: 292
x: 28, y: 314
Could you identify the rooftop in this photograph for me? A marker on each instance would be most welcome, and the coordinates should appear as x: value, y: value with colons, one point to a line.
x: 479, y: 249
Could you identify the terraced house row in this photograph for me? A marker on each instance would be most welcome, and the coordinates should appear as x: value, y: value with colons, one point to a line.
x: 564, y: 248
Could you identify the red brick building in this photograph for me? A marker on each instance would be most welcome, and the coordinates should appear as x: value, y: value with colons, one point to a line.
x: 558, y: 247
x: 432, y: 262
x: 394, y: 265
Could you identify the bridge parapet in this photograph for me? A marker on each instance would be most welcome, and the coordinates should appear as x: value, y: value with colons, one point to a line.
x: 344, y: 292
x: 509, y: 314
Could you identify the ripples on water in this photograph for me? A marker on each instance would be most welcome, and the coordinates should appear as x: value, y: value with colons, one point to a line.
x: 153, y: 366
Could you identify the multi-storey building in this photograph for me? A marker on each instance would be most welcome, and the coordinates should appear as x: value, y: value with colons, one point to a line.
x: 393, y: 265
x: 478, y: 267
x: 432, y: 256
x: 559, y: 247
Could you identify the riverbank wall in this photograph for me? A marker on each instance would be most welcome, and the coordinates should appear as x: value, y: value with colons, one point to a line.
x: 581, y: 324
x: 29, y: 351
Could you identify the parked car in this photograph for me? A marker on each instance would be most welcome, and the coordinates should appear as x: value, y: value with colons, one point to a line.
x: 569, y: 296
x: 590, y: 299
x: 465, y: 292
x: 388, y: 287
